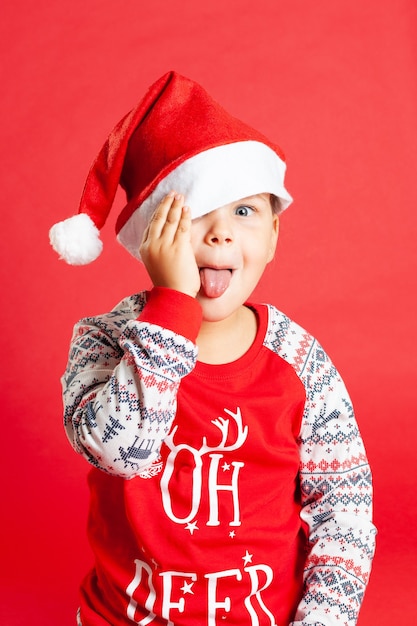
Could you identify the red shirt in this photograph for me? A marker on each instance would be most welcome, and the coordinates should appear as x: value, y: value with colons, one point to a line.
x: 216, y: 488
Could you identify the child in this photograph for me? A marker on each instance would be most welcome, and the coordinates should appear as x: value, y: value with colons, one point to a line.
x: 229, y: 482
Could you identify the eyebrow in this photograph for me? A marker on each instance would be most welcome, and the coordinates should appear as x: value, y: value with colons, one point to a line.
x: 255, y: 198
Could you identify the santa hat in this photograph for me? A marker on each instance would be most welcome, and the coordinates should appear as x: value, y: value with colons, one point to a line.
x: 177, y: 138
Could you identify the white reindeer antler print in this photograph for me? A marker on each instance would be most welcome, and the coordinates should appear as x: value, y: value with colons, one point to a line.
x: 223, y: 425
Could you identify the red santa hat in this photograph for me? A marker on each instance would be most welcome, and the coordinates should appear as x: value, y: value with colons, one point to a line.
x: 176, y: 138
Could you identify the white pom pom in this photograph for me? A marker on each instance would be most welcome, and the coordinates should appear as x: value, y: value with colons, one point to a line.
x: 77, y: 240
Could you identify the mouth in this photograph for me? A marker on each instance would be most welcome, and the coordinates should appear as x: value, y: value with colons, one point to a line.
x: 215, y: 280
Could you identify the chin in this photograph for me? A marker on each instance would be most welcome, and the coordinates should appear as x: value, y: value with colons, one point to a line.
x: 218, y: 309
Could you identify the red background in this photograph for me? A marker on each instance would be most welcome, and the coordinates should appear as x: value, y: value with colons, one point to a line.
x: 335, y: 84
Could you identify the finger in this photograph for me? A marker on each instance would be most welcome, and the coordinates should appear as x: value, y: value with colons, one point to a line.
x: 173, y: 217
x: 158, y: 219
x: 184, y: 224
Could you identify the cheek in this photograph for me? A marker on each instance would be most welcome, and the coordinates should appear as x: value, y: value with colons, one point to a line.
x: 260, y: 250
x: 195, y: 238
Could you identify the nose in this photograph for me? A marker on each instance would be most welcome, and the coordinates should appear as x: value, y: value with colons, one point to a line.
x: 219, y: 228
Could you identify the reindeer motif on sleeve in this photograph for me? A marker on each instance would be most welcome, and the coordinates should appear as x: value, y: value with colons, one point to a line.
x: 136, y: 451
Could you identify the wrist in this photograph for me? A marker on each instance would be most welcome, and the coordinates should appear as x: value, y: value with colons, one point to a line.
x: 174, y: 310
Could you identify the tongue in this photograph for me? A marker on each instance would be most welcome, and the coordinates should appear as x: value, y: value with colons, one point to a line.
x: 214, y: 282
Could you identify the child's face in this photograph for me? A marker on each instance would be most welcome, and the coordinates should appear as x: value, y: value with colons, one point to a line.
x: 232, y: 246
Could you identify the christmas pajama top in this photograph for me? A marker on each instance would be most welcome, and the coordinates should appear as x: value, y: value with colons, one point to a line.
x: 236, y: 494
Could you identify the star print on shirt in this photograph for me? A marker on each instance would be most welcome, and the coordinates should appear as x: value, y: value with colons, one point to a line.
x: 186, y: 588
x: 225, y: 467
x: 247, y: 558
x: 191, y: 526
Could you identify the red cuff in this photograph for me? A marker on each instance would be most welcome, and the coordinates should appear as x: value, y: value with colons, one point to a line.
x: 173, y: 310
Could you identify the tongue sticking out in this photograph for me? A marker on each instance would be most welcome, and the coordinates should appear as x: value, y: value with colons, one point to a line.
x: 214, y: 282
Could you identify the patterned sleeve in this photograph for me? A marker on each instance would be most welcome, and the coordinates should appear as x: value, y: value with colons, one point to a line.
x: 336, y: 488
x: 120, y: 389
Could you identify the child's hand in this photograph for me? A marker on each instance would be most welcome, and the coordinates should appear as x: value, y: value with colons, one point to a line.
x: 166, y: 248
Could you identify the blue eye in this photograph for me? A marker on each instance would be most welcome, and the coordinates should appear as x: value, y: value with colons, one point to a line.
x: 243, y: 210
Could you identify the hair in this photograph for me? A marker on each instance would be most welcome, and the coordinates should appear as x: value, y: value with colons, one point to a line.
x: 275, y: 204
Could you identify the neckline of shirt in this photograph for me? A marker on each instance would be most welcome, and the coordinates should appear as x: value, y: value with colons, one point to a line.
x: 235, y: 368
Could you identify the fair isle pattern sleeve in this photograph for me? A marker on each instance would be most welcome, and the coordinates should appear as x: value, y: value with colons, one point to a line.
x: 336, y: 486
x: 120, y: 389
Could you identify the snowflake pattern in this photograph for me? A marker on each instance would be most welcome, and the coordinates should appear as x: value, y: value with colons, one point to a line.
x: 335, y: 480
x: 119, y: 368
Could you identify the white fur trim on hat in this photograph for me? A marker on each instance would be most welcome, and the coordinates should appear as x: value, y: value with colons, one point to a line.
x: 210, y: 180
x: 76, y: 239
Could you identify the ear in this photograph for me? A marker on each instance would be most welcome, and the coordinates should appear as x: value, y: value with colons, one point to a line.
x: 274, y: 238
